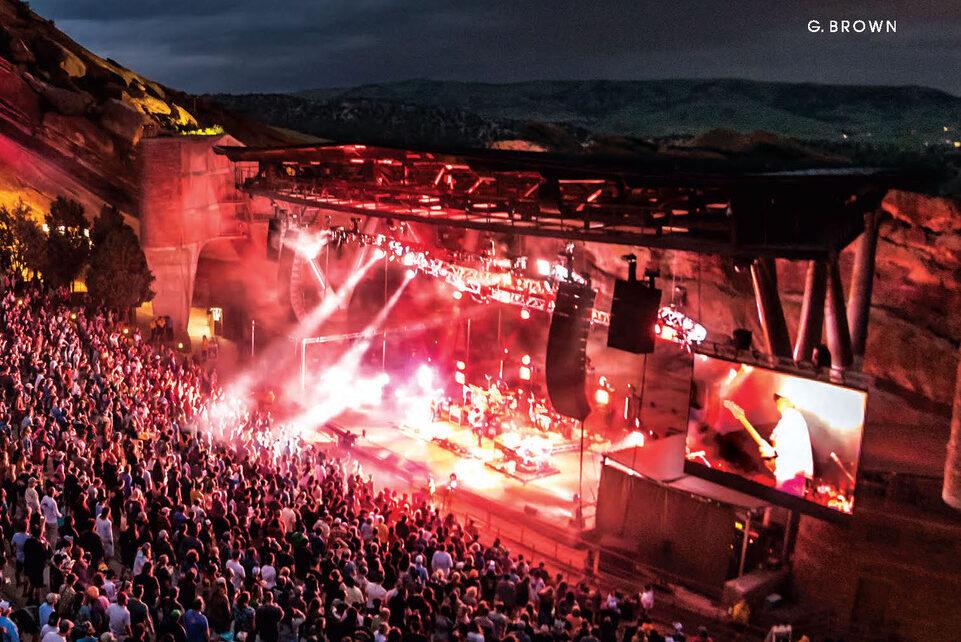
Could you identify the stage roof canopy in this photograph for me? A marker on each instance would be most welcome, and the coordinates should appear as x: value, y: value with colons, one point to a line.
x: 739, y: 207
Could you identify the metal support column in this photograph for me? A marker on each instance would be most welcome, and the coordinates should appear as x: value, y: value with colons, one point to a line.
x: 811, y: 322
x: 951, y: 489
x: 769, y: 310
x: 839, y: 337
x: 862, y: 282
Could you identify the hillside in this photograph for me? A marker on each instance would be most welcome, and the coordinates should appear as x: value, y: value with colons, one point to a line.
x: 70, y: 120
x: 906, y: 116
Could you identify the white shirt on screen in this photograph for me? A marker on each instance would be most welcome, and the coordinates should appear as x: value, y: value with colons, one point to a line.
x: 792, y: 441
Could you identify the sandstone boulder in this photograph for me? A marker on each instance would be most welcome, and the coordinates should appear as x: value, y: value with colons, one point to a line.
x: 155, y: 90
x: 80, y: 131
x: 17, y: 46
x: 66, y: 102
x: 57, y: 59
x: 123, y: 120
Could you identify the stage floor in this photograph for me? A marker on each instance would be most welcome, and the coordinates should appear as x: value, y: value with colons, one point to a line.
x: 550, y: 497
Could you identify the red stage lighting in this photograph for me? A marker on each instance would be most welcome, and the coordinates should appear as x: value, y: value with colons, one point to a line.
x: 602, y: 396
x: 459, y: 377
x: 526, y: 359
x: 458, y: 295
x: 525, y: 314
x: 525, y: 373
x: 461, y: 365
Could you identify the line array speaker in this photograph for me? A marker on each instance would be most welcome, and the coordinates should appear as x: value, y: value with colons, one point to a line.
x: 566, y: 365
x: 633, y: 316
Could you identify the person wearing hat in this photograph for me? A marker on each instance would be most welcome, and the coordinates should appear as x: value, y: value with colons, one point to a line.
x: 8, y: 630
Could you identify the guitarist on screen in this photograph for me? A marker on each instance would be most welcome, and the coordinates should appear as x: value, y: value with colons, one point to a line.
x: 788, y: 455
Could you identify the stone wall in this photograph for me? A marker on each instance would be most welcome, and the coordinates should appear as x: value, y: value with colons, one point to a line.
x: 187, y: 199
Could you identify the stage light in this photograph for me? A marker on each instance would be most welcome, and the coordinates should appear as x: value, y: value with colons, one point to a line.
x: 411, y: 273
x: 379, y: 253
x: 525, y: 314
x: 180, y: 345
x: 526, y: 359
x: 409, y: 259
x: 126, y: 330
x: 525, y: 373
x: 543, y: 267
x: 460, y: 378
x: 602, y: 396
x: 425, y: 377
x: 461, y: 365
x: 458, y: 295
x: 73, y: 315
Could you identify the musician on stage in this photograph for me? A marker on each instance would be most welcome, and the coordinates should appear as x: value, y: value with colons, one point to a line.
x: 788, y: 453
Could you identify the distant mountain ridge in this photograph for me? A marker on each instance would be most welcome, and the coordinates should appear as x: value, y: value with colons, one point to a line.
x: 907, y: 116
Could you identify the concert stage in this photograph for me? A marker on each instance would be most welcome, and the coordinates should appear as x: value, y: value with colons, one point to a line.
x: 420, y: 454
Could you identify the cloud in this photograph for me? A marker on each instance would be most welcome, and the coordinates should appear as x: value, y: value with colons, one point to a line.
x: 265, y: 45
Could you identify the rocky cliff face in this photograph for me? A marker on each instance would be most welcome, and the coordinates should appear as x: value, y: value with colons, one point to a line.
x: 70, y: 121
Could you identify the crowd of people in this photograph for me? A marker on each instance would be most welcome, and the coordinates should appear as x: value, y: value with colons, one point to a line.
x: 137, y: 504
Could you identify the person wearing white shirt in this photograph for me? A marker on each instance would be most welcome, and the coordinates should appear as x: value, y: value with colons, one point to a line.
x: 791, y: 440
x: 239, y: 573
x: 59, y: 634
x: 143, y: 555
x: 31, y: 497
x: 119, y: 618
x: 375, y: 591
x: 51, y: 515
x: 104, y: 530
x: 441, y: 561
x: 268, y: 573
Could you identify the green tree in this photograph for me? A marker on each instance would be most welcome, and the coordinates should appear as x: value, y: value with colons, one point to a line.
x: 23, y: 245
x: 109, y: 220
x: 68, y: 242
x: 119, y: 278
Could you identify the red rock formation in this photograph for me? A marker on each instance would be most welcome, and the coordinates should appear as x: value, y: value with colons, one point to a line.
x: 70, y: 111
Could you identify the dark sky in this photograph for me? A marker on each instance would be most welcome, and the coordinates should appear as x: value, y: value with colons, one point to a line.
x: 271, y: 45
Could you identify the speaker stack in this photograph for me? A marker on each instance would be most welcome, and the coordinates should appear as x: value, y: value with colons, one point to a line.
x: 566, y: 365
x: 634, y: 312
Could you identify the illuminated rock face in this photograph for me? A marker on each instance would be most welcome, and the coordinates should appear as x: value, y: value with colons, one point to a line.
x: 69, y: 111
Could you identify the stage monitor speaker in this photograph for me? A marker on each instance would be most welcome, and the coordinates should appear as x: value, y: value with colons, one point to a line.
x: 633, y: 316
x: 274, y: 238
x: 742, y: 338
x: 566, y: 362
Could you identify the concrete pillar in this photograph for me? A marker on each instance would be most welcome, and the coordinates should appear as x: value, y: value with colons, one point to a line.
x: 839, y: 337
x: 811, y: 322
x: 174, y: 269
x: 187, y: 198
x: 769, y: 310
x: 862, y: 282
x: 951, y: 490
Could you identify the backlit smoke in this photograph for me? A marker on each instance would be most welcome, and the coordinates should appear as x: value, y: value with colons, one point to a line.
x: 341, y: 386
x: 215, y: 421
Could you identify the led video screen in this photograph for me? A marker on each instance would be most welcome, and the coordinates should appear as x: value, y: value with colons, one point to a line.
x: 788, y: 439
